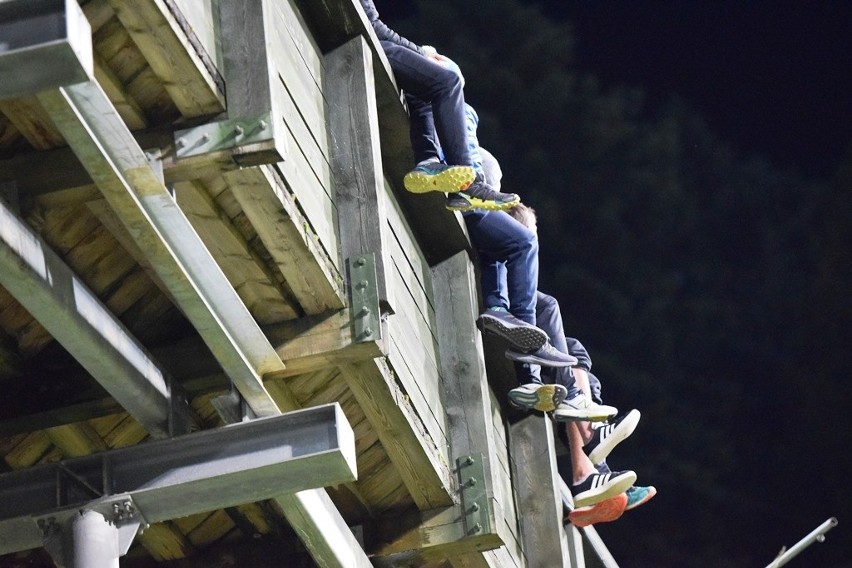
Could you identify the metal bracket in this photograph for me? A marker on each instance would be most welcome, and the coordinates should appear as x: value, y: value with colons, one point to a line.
x: 364, y: 298
x: 119, y: 511
x: 474, y: 495
x: 223, y: 135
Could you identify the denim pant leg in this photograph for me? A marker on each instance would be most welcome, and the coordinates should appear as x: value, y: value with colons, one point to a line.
x: 498, y: 237
x: 549, y: 318
x: 429, y: 82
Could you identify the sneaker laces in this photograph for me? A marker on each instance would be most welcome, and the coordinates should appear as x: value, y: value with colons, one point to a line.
x: 481, y: 190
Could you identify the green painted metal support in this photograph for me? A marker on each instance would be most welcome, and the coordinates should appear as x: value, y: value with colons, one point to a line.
x: 364, y: 298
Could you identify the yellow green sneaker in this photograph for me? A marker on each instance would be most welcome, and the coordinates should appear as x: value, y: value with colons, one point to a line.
x: 438, y: 177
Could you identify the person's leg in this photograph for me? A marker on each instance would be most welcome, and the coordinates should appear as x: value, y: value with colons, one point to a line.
x: 588, y: 486
x: 433, y: 83
x: 499, y: 237
x: 424, y: 141
x: 577, y: 406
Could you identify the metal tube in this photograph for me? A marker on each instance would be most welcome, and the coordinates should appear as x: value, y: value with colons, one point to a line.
x: 818, y: 534
x: 93, y: 542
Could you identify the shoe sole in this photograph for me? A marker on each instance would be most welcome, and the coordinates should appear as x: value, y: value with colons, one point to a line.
x: 608, y: 510
x: 476, y: 203
x: 544, y: 399
x: 536, y: 360
x: 624, y: 429
x: 582, y: 415
x: 611, y: 488
x: 648, y: 497
x: 451, y: 180
x: 523, y: 338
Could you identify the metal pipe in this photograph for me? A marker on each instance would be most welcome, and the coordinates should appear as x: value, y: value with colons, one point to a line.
x: 818, y: 535
x: 93, y: 542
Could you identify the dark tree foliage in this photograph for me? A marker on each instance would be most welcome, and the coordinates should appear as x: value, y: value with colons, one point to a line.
x: 712, y: 290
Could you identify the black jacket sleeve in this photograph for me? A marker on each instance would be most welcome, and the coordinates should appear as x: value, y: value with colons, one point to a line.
x: 383, y: 31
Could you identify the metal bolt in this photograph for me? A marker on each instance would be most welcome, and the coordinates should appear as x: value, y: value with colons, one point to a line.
x: 477, y: 528
x: 262, y: 125
x: 238, y: 130
x: 205, y: 138
x: 360, y: 262
x: 368, y: 332
x: 180, y: 142
x: 474, y: 507
x: 365, y: 312
x: 471, y: 482
x: 469, y: 460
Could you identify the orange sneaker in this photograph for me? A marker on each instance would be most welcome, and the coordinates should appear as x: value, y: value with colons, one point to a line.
x: 602, y: 512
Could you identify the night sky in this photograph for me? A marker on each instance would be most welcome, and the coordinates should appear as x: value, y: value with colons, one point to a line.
x: 772, y: 81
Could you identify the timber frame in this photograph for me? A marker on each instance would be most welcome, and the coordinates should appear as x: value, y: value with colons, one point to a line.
x: 226, y: 331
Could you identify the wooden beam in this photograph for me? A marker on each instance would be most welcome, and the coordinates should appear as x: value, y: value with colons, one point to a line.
x: 121, y: 170
x: 247, y: 274
x: 402, y: 435
x: 356, y: 161
x: 536, y: 486
x: 168, y: 51
x: 312, y: 343
x: 283, y: 229
x: 53, y: 294
x: 124, y: 103
x: 424, y: 538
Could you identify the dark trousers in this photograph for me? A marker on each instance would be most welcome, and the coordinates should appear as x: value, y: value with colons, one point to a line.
x: 436, y: 103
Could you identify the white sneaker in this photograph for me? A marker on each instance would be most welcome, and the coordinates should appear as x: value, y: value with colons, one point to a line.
x: 536, y: 396
x: 581, y: 408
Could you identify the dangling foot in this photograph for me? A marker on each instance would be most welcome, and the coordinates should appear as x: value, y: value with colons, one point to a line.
x: 435, y: 176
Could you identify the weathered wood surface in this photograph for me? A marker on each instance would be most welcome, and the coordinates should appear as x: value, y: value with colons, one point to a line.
x: 167, y: 50
x: 538, y: 496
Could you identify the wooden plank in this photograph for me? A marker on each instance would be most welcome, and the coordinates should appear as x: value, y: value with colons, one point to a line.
x: 538, y: 498
x: 314, y: 342
x: 250, y: 280
x: 31, y: 120
x: 297, y: 252
x: 415, y: 456
x: 424, y: 538
x: 126, y: 105
x: 171, y: 56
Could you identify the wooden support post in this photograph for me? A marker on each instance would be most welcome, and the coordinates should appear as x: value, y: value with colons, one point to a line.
x: 536, y: 484
x: 356, y: 158
x: 477, y: 523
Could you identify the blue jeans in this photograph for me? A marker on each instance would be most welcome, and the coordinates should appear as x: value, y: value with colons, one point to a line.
x: 508, y: 254
x: 549, y: 319
x: 436, y: 103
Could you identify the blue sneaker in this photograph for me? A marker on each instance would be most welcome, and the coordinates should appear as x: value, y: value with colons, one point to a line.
x: 522, y: 336
x: 480, y: 195
x: 435, y: 176
x: 639, y: 496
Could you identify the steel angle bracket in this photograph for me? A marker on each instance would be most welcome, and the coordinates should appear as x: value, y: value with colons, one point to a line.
x: 473, y: 491
x: 364, y: 298
x: 255, y: 134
